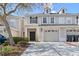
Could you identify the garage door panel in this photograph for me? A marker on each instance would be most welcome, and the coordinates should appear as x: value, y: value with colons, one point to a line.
x: 51, y: 36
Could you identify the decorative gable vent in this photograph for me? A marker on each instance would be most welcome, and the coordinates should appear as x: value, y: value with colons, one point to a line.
x: 62, y: 11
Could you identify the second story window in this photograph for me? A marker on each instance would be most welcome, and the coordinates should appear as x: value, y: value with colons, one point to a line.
x: 33, y: 19
x: 52, y: 20
x: 44, y: 20
x: 77, y: 19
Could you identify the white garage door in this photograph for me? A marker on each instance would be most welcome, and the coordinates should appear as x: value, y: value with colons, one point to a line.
x: 51, y: 36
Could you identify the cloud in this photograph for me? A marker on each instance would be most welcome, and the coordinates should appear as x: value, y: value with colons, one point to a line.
x: 53, y: 11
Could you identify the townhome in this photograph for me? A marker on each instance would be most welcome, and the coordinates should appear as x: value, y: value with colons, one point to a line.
x: 52, y: 27
x: 46, y: 26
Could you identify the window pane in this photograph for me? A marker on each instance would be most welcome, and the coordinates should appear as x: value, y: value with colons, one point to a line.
x: 44, y: 20
x: 52, y: 20
x: 33, y: 19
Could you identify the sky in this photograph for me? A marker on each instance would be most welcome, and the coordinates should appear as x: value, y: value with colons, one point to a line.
x: 70, y: 7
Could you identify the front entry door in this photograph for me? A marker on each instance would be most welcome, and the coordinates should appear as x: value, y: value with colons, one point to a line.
x: 32, y: 36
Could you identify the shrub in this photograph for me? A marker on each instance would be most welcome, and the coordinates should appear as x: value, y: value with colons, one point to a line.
x: 8, y: 50
x: 17, y: 39
x: 22, y: 43
x: 6, y: 43
x: 26, y: 39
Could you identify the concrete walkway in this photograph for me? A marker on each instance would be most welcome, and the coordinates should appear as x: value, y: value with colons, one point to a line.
x: 51, y: 49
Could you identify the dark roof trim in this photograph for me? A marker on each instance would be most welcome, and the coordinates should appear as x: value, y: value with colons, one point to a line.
x: 58, y: 24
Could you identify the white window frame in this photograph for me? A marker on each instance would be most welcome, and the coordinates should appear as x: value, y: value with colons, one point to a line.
x: 33, y: 20
x: 52, y: 18
x: 43, y: 20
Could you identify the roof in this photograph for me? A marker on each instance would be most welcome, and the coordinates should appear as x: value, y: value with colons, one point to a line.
x: 56, y: 14
x: 58, y: 25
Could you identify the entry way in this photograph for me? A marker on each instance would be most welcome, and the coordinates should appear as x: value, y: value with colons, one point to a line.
x: 72, y: 38
x: 32, y: 36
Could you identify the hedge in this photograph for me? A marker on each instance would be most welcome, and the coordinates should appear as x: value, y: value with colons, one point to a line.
x: 17, y: 39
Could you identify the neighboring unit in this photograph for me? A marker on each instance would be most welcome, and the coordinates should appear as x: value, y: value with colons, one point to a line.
x: 16, y: 25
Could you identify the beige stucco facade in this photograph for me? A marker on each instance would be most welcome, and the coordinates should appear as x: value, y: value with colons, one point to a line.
x: 15, y: 33
x: 59, y: 35
x: 64, y: 25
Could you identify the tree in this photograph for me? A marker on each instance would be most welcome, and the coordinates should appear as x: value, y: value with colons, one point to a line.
x: 6, y: 11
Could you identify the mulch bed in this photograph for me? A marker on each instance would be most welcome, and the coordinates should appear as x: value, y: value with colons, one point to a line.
x: 22, y: 49
x: 17, y: 53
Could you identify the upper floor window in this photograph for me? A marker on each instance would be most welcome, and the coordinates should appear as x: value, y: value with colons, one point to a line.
x: 44, y: 20
x: 33, y: 19
x: 77, y: 19
x: 52, y: 20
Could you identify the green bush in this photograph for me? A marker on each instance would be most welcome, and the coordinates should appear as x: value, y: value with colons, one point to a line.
x: 6, y: 50
x: 22, y: 43
x: 17, y: 39
x: 6, y: 43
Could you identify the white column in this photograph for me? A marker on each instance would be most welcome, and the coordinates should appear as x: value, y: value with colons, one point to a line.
x: 38, y: 34
x: 41, y: 34
x: 19, y: 27
x: 62, y: 34
x: 78, y: 21
x: 26, y: 32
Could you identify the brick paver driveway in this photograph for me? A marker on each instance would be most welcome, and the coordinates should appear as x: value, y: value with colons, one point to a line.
x: 51, y: 49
